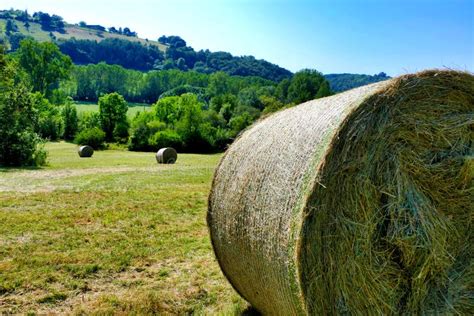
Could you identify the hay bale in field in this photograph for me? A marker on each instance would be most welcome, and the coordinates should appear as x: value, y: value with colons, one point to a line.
x: 85, y: 151
x: 359, y: 203
x: 166, y: 155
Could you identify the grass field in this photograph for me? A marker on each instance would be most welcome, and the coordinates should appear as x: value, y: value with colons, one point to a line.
x: 133, y: 108
x: 112, y: 234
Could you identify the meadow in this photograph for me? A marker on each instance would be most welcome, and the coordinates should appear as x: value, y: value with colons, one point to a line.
x: 133, y: 108
x: 112, y: 234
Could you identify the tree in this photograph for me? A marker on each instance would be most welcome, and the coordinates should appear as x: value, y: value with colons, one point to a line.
x: 304, y: 86
x: 19, y: 144
x: 324, y: 90
x: 45, y: 65
x: 10, y: 27
x: 70, y: 121
x: 113, y: 111
x: 27, y: 25
x: 15, y: 40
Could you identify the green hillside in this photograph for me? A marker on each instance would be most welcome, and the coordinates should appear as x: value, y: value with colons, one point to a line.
x: 93, y: 44
x: 72, y: 31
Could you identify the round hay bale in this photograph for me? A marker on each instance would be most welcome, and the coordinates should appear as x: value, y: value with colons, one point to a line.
x: 359, y: 203
x: 85, y: 151
x: 166, y: 155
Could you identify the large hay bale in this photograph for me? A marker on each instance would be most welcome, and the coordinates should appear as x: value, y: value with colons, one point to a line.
x: 359, y: 203
x: 166, y: 155
x: 85, y: 151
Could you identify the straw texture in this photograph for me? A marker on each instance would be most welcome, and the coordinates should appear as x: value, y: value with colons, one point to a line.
x: 166, y: 155
x: 85, y: 151
x: 360, y: 203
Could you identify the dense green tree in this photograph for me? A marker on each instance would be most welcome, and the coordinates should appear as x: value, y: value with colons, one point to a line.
x: 19, y: 144
x: 304, y: 86
x: 89, y: 120
x: 113, y: 111
x: 343, y: 82
x: 271, y: 104
x: 93, y: 137
x: 50, y: 123
x: 70, y: 121
x: 15, y: 40
x: 10, y: 27
x: 45, y: 65
x: 324, y: 90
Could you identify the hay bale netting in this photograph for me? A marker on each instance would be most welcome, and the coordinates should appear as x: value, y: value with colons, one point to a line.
x: 359, y: 203
x: 166, y: 155
x: 85, y: 151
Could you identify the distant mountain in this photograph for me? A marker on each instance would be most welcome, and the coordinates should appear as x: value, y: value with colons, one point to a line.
x: 91, y: 44
x: 343, y: 82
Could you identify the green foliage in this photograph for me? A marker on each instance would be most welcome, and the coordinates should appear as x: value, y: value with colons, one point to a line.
x: 19, y: 144
x: 143, y: 126
x: 15, y: 40
x: 93, y: 137
x: 50, y: 121
x: 304, y: 86
x: 89, y: 120
x: 70, y: 121
x: 44, y: 63
x: 343, y: 82
x: 132, y: 55
x: 189, y: 119
x: 166, y: 138
x: 270, y: 104
x: 113, y: 111
x: 324, y: 90
x: 121, y: 132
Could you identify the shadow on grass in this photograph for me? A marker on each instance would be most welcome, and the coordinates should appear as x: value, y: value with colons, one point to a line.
x: 4, y: 169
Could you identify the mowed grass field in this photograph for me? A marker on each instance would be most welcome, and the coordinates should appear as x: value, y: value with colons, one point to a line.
x: 133, y: 108
x: 112, y: 234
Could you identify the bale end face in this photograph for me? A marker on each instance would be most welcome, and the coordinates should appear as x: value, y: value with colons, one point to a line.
x: 166, y: 155
x: 85, y: 151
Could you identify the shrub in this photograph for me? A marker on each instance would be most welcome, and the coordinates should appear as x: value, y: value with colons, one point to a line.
x: 121, y: 132
x: 166, y: 138
x: 89, y: 120
x: 93, y: 137
x: 70, y: 121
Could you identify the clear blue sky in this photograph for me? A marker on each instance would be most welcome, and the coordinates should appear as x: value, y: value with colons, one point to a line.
x: 332, y: 36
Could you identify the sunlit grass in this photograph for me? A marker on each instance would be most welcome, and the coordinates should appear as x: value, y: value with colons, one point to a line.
x: 109, y: 234
x: 133, y: 108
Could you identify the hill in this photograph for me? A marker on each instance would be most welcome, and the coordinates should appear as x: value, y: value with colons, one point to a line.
x: 345, y: 81
x: 80, y: 31
x: 92, y: 44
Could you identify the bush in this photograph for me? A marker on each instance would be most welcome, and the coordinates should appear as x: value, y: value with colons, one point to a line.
x: 121, y: 132
x: 19, y: 144
x: 89, y: 120
x: 166, y: 138
x: 70, y: 121
x: 50, y: 123
x: 93, y: 137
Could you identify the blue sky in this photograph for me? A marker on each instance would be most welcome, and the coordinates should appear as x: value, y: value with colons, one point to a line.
x: 365, y: 36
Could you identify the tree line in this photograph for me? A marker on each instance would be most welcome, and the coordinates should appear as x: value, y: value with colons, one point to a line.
x: 192, y: 111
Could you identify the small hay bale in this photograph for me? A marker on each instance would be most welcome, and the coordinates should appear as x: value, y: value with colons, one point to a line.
x: 166, y: 155
x: 85, y: 151
x: 359, y: 203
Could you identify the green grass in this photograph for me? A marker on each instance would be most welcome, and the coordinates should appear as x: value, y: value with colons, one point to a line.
x: 112, y: 234
x: 133, y: 108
